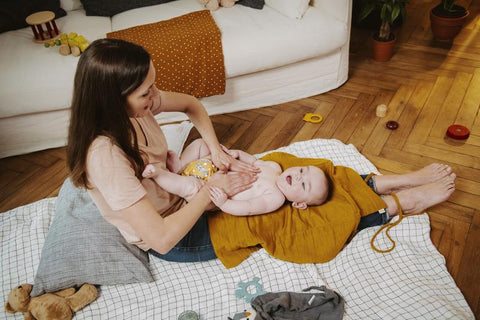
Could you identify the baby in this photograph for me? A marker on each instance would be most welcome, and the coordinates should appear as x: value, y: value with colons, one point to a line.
x: 302, y: 186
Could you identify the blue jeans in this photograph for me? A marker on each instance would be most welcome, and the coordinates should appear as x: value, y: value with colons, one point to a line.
x: 194, y: 247
x: 376, y: 218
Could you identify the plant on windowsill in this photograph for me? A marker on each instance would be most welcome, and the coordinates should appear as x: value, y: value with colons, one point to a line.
x: 447, y: 20
x: 384, y: 39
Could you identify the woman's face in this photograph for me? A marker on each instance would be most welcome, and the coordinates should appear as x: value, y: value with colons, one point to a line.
x: 141, y: 100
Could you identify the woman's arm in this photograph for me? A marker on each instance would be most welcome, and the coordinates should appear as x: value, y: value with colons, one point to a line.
x: 192, y: 107
x: 163, y: 233
x: 240, y: 155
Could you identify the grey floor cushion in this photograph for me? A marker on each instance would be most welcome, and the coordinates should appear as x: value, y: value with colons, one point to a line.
x: 81, y: 247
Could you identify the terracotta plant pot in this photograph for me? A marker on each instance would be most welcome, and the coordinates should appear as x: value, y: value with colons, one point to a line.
x: 445, y: 29
x: 382, y: 50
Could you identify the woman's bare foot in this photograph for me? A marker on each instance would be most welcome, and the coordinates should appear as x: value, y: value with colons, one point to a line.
x: 386, y: 184
x: 419, y: 198
x: 149, y: 171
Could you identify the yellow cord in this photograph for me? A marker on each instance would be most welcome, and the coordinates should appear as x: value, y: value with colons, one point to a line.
x: 371, y: 174
x: 390, y: 225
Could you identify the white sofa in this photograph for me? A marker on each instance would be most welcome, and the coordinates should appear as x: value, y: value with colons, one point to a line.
x: 269, y: 58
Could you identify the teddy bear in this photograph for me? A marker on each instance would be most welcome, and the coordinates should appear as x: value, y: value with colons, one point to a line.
x: 53, y: 306
x: 214, y: 4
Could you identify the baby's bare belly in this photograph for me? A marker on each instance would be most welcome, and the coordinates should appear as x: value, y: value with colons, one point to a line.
x: 266, y: 181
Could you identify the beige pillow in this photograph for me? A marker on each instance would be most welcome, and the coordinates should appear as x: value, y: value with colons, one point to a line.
x: 69, y: 5
x: 290, y: 8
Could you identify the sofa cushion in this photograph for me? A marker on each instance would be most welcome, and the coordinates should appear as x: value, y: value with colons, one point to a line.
x: 290, y: 8
x: 266, y: 39
x: 256, y: 4
x: 108, y: 8
x: 13, y: 13
x: 69, y: 5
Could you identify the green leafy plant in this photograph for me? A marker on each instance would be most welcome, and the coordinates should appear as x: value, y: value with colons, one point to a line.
x: 390, y: 10
x: 448, y: 8
x: 447, y: 5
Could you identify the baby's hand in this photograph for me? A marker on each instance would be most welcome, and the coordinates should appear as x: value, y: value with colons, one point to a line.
x: 217, y: 195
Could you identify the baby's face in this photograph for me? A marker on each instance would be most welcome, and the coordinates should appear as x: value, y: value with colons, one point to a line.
x: 304, y: 184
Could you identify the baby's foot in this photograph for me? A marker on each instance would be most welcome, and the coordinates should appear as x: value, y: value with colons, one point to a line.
x: 420, y: 198
x: 149, y: 171
x: 173, y: 162
x: 387, y: 184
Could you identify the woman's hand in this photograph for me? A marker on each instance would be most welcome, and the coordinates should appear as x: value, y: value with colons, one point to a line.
x: 226, y: 162
x: 232, y: 182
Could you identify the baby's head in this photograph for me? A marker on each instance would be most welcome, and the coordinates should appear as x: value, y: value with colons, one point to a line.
x: 304, y: 186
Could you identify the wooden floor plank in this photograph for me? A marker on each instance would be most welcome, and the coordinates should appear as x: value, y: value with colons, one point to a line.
x: 380, y: 134
x: 430, y: 111
x: 335, y: 118
x: 369, y: 121
x: 467, y: 114
x: 409, y: 115
x: 354, y: 117
x: 466, y: 275
x: 443, y: 156
x: 450, y: 107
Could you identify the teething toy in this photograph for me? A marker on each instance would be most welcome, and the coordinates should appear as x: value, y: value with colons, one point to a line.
x: 391, y: 125
x: 312, y: 118
x: 256, y: 289
x: 458, y: 132
x: 381, y: 110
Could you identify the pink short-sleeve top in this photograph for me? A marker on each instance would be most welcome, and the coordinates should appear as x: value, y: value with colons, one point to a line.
x: 114, y: 185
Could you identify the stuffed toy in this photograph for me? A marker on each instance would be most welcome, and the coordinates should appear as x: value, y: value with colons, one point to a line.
x: 59, y: 305
x: 214, y: 4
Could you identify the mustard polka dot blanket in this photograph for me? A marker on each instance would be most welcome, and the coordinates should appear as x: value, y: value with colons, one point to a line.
x: 186, y: 52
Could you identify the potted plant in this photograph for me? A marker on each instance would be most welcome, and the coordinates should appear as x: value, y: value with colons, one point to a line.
x: 447, y: 20
x: 384, y: 39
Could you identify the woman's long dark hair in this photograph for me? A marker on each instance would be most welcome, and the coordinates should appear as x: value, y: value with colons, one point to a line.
x: 107, y: 72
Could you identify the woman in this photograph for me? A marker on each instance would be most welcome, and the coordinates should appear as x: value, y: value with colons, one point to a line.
x: 113, y: 134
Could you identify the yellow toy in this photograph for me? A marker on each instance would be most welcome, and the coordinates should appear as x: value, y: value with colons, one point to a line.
x: 312, y: 117
x: 59, y: 305
x: 201, y: 169
x: 71, y: 43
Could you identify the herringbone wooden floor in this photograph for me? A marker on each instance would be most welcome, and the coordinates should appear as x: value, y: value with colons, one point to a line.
x: 426, y: 86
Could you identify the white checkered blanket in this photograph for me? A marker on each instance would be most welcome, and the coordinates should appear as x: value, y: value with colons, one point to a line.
x: 411, y: 282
